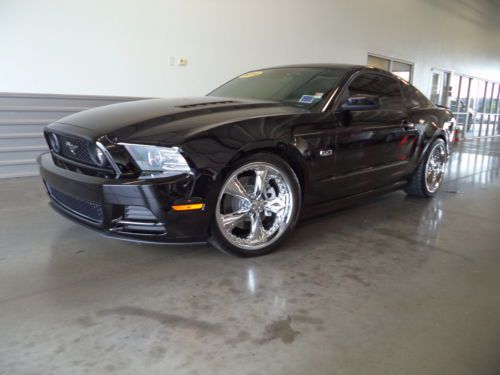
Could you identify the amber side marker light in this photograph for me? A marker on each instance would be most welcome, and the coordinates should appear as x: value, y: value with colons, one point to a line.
x: 188, y: 207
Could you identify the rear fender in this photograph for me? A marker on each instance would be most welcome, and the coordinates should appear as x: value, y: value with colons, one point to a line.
x: 429, y: 140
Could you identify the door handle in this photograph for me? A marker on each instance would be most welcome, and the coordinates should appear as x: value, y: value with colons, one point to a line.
x: 407, y: 125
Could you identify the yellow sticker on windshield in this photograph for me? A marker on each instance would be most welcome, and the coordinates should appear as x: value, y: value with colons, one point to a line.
x: 250, y: 74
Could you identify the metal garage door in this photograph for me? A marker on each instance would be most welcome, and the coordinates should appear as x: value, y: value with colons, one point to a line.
x: 22, y: 118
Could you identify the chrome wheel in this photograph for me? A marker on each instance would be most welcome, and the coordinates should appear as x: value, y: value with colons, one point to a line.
x: 255, y: 206
x: 434, y: 169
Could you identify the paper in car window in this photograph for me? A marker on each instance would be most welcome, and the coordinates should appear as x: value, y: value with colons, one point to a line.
x: 250, y: 74
x: 308, y: 99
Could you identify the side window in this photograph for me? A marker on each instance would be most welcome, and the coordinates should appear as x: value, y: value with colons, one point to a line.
x: 386, y: 89
x: 414, y: 98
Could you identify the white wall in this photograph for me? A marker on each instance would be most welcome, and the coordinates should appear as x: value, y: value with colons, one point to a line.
x: 122, y: 47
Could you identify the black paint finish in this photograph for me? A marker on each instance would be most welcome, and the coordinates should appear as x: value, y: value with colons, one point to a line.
x: 338, y: 154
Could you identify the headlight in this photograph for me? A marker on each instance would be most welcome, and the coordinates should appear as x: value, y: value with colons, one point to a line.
x: 158, y: 159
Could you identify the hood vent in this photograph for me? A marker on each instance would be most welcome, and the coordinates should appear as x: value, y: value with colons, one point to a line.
x: 201, y: 105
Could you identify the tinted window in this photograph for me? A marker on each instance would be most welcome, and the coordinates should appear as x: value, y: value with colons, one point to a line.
x: 299, y: 87
x: 414, y: 98
x: 385, y: 88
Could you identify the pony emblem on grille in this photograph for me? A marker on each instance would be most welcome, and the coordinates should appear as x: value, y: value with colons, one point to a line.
x: 72, y: 147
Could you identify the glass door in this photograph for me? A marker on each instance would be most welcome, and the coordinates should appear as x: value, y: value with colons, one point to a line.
x: 496, y: 112
x: 492, y: 107
x: 480, y: 92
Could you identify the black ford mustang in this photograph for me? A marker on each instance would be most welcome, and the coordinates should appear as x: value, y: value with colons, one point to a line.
x: 240, y: 166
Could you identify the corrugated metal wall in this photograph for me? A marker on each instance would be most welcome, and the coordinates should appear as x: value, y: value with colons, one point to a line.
x: 22, y: 119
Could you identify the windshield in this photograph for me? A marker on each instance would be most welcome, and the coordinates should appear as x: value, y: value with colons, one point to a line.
x: 298, y: 87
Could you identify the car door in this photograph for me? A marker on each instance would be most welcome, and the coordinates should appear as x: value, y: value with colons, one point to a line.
x: 371, y: 148
x: 314, y: 137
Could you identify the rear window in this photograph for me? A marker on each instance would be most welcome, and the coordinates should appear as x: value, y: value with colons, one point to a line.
x: 414, y: 98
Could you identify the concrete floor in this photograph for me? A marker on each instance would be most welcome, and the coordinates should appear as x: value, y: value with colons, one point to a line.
x: 393, y: 286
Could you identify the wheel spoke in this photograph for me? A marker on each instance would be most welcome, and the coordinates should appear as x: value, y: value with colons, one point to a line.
x: 256, y: 229
x: 275, y: 205
x: 236, y: 189
x: 430, y: 177
x: 229, y: 221
x: 435, y: 168
x: 252, y: 212
x: 439, y: 177
x: 260, y: 181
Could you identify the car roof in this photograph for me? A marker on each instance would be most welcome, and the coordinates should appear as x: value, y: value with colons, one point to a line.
x: 321, y: 65
x: 346, y: 67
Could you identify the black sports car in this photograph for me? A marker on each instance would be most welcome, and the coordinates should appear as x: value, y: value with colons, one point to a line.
x: 240, y: 166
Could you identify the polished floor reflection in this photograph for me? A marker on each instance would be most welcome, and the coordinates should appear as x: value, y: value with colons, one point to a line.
x: 396, y: 285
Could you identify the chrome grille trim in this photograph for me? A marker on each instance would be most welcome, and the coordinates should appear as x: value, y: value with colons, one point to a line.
x: 109, y: 158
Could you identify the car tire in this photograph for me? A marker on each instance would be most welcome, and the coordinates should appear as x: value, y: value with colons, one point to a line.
x: 428, y: 177
x: 257, y: 207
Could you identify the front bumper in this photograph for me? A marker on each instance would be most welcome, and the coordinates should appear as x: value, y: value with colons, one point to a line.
x: 103, y: 205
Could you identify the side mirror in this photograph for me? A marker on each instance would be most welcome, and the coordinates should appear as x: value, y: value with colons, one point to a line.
x: 361, y: 103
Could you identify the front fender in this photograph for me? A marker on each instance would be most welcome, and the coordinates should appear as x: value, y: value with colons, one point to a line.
x: 213, y: 150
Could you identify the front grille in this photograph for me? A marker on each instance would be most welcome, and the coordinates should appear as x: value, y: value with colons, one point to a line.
x: 77, y: 149
x: 89, y: 210
x: 79, y: 155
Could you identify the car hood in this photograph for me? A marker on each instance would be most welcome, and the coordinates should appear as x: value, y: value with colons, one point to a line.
x: 168, y: 121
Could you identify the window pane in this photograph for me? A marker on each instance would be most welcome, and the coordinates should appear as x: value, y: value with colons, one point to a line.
x: 480, y: 101
x: 491, y: 110
x: 480, y: 107
x: 476, y: 91
x: 454, y: 85
x: 402, y: 70
x: 378, y: 62
x: 495, y: 106
x: 492, y: 95
x: 459, y: 100
x: 465, y: 105
x: 436, y: 89
x: 496, y: 111
x: 385, y: 88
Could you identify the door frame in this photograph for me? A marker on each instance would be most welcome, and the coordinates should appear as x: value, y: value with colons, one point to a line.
x: 446, y: 76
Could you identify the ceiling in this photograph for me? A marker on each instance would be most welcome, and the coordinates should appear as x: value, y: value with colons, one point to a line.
x: 484, y: 13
